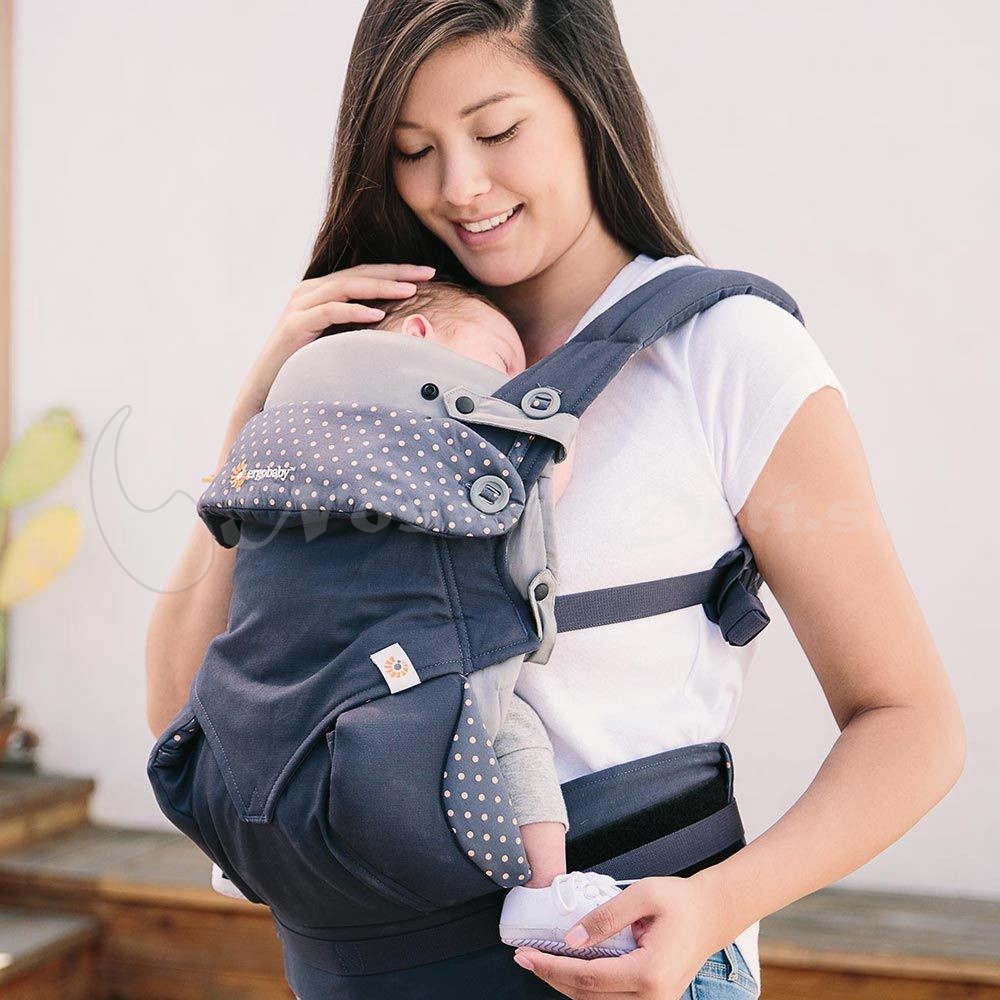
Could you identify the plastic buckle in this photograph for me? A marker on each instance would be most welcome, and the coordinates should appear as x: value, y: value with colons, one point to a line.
x: 737, y: 610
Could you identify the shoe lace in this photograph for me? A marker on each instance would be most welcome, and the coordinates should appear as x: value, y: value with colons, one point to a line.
x: 590, y: 885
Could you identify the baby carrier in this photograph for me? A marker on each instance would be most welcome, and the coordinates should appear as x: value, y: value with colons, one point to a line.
x: 392, y: 506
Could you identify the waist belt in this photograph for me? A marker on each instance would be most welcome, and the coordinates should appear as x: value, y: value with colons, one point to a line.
x: 663, y: 791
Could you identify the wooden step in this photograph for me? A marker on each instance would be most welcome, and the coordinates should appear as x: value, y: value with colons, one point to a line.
x: 34, y: 806
x: 47, y: 955
x: 165, y: 933
x: 853, y: 944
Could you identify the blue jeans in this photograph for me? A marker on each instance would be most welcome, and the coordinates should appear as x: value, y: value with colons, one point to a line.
x: 724, y: 976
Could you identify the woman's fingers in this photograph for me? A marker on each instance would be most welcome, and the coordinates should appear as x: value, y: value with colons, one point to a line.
x: 357, y: 287
x: 337, y: 313
x: 400, y: 272
x: 584, y: 979
x: 589, y: 977
x: 318, y: 303
x: 362, y: 286
x: 619, y: 912
x: 366, y: 281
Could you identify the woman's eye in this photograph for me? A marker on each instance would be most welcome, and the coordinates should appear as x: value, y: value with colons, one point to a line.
x: 490, y: 140
x: 409, y: 157
x: 493, y: 140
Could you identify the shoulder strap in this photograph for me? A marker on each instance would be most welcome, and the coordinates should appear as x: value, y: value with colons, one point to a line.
x: 580, y: 369
x: 574, y: 375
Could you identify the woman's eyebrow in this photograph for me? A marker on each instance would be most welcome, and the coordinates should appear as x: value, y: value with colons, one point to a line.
x: 502, y: 95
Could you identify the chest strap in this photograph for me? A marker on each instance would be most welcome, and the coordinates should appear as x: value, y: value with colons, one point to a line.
x: 727, y: 591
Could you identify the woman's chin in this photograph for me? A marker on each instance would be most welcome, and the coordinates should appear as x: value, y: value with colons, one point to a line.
x: 498, y: 271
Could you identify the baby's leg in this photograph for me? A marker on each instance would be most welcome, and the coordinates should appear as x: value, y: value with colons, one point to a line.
x: 545, y: 848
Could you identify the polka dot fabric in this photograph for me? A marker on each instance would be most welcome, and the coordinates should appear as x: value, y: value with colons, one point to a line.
x: 342, y: 458
x: 476, y: 802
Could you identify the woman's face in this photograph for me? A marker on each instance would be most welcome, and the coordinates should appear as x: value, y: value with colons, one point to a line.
x: 479, y: 156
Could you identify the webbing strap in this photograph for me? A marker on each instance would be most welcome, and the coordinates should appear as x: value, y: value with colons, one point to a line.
x: 629, y: 601
x: 727, y: 591
x: 679, y: 850
x: 672, y: 853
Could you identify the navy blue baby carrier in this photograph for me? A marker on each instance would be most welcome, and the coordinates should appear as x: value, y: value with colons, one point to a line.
x: 332, y: 758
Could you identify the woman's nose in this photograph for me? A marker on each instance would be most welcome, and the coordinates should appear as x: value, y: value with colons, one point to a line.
x: 463, y: 181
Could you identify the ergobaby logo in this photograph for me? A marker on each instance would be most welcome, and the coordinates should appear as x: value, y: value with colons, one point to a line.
x: 241, y: 474
x: 396, y: 667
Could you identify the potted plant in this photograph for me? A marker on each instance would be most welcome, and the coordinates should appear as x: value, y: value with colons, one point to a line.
x: 47, y: 542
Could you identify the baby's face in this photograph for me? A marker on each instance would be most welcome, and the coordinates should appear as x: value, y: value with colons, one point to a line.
x: 483, y: 334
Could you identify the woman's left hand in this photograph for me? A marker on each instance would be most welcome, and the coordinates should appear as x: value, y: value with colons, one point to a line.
x: 677, y: 923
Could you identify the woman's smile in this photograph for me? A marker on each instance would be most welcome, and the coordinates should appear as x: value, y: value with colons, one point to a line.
x: 488, y: 234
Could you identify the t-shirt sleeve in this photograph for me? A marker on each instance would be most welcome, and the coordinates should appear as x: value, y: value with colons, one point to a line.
x: 752, y: 364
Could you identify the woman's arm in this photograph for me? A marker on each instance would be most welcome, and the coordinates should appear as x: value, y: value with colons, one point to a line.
x: 823, y: 547
x: 821, y: 543
x: 193, y: 610
x: 195, y: 607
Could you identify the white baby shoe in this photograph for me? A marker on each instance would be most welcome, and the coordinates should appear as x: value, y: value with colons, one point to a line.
x: 221, y: 883
x: 540, y: 917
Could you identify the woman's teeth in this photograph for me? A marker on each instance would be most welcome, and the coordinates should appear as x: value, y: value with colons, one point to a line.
x: 485, y: 224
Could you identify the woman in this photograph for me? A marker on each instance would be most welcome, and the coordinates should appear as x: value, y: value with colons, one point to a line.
x: 454, y: 113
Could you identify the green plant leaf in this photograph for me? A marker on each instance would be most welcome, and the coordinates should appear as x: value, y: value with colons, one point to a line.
x: 40, y: 457
x: 38, y: 553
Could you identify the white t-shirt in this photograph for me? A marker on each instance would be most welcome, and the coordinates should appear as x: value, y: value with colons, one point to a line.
x: 666, y: 456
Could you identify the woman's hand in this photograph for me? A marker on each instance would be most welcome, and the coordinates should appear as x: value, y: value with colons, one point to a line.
x: 677, y: 923
x: 317, y: 303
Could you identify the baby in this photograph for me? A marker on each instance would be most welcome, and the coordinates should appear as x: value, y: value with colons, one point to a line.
x: 540, y: 911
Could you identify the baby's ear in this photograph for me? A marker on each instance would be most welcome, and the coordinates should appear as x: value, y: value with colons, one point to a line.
x: 416, y: 325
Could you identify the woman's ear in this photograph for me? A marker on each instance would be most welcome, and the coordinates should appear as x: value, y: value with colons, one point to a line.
x: 417, y: 325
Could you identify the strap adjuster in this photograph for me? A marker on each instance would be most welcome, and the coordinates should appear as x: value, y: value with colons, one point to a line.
x: 735, y: 607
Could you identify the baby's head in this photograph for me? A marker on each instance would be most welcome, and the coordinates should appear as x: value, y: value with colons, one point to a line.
x: 460, y: 318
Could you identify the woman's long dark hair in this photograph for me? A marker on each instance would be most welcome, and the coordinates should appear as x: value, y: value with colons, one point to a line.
x: 576, y: 43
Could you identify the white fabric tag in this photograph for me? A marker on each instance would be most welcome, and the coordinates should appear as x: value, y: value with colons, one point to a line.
x: 395, y: 667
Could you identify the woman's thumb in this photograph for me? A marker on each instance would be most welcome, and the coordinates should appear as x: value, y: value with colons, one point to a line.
x: 608, y: 918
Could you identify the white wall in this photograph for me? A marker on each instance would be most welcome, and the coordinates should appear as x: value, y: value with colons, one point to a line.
x: 170, y: 167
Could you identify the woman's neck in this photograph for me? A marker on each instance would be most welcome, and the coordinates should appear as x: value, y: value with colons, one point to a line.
x: 547, y: 306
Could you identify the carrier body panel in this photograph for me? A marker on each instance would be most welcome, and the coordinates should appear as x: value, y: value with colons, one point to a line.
x: 393, y: 510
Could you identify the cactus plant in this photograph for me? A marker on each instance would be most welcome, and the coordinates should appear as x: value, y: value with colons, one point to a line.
x: 47, y: 543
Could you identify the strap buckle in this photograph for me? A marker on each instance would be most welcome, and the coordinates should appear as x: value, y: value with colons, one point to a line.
x: 735, y: 606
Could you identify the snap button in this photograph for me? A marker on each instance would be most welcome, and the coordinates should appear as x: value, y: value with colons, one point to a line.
x: 489, y: 494
x: 464, y: 404
x: 429, y: 390
x: 540, y: 402
x: 541, y: 591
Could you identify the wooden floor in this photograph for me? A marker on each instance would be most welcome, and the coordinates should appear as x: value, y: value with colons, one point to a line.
x: 851, y: 943
x: 165, y: 934
x: 33, y: 806
x: 157, y: 931
x: 47, y: 955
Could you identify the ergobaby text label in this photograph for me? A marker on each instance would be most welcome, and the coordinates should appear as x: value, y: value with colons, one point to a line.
x: 241, y: 473
x: 395, y: 667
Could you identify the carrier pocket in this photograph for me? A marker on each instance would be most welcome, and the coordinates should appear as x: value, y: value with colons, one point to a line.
x: 171, y: 772
x: 176, y: 773
x: 387, y: 758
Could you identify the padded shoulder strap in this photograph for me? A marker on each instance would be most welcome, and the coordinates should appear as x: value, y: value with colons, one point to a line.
x: 580, y: 369
x: 573, y: 376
